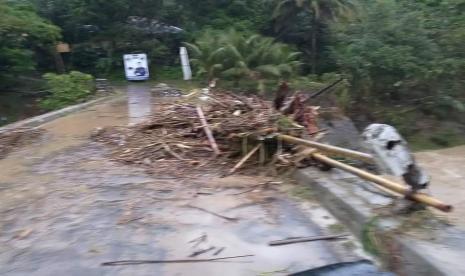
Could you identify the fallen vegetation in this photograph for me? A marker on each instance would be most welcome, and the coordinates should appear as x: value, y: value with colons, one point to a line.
x: 207, y: 131
x: 219, y: 132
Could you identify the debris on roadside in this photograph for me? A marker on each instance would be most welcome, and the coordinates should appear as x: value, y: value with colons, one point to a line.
x: 206, y: 130
x: 218, y: 132
x: 11, y: 139
x: 202, y: 247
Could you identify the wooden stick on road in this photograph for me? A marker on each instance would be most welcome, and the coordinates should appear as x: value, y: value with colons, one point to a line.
x: 212, y: 213
x: 307, y: 239
x: 139, y: 262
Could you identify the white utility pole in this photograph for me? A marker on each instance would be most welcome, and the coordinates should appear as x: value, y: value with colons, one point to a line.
x: 186, y: 67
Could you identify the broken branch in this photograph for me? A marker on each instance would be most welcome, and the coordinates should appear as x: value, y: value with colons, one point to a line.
x: 139, y: 262
x: 174, y: 154
x: 212, y: 213
x: 307, y: 239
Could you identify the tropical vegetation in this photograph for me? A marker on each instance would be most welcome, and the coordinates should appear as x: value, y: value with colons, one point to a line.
x: 234, y: 55
x: 66, y: 89
x: 397, y: 56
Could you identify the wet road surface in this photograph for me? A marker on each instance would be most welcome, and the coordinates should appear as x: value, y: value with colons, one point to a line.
x: 447, y: 170
x: 65, y: 208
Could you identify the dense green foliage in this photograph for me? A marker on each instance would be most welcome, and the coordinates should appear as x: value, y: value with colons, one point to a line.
x: 233, y: 55
x: 404, y: 52
x: 67, y: 89
x: 291, y: 15
x: 22, y: 32
x: 404, y: 60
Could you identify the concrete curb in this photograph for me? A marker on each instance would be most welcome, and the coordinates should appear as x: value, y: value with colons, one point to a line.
x: 50, y: 116
x: 344, y: 195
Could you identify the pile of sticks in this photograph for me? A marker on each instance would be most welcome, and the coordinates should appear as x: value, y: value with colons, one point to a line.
x: 199, y: 129
x: 222, y: 131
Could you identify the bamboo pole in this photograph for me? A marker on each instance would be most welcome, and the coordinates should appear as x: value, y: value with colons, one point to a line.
x: 243, y: 160
x: 329, y: 149
x: 391, y: 185
x: 207, y: 130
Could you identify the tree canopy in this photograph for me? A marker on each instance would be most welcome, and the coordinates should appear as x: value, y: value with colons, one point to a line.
x: 22, y: 31
x: 391, y: 51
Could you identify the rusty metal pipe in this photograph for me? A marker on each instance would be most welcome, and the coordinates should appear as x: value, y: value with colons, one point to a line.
x: 391, y: 185
x: 329, y: 148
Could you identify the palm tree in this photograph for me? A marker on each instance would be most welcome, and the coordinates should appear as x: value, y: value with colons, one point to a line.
x: 322, y: 12
x: 236, y: 56
x: 207, y: 55
x: 258, y: 58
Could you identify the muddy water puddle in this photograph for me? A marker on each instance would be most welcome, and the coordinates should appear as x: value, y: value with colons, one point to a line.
x: 65, y: 208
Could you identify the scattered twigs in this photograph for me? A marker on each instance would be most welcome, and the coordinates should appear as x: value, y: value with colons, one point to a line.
x: 174, y: 154
x: 307, y: 239
x: 212, y: 213
x: 202, y: 251
x: 218, y: 101
x: 208, y: 131
x: 243, y: 160
x: 140, y: 262
x: 199, y: 240
x: 244, y: 101
x: 217, y: 252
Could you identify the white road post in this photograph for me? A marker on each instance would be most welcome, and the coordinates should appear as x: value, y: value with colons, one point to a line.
x: 186, y: 68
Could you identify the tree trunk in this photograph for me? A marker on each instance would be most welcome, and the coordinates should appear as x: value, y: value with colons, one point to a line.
x: 314, y: 44
x: 59, y: 63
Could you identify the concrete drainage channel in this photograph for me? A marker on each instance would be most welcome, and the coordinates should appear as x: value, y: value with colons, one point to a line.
x: 427, y: 247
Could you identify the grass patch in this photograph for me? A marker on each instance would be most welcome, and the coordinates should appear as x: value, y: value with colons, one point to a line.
x: 337, y: 228
x: 349, y: 245
x: 369, y: 240
x: 303, y: 192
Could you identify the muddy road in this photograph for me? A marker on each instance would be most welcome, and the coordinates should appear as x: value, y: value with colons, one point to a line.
x: 65, y: 208
x: 447, y: 170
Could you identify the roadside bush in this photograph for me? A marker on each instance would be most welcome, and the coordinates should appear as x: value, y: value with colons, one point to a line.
x: 406, y: 53
x: 67, y: 89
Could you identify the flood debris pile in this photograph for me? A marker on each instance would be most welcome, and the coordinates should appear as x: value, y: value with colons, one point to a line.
x: 11, y: 139
x: 204, y: 130
x: 225, y: 133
